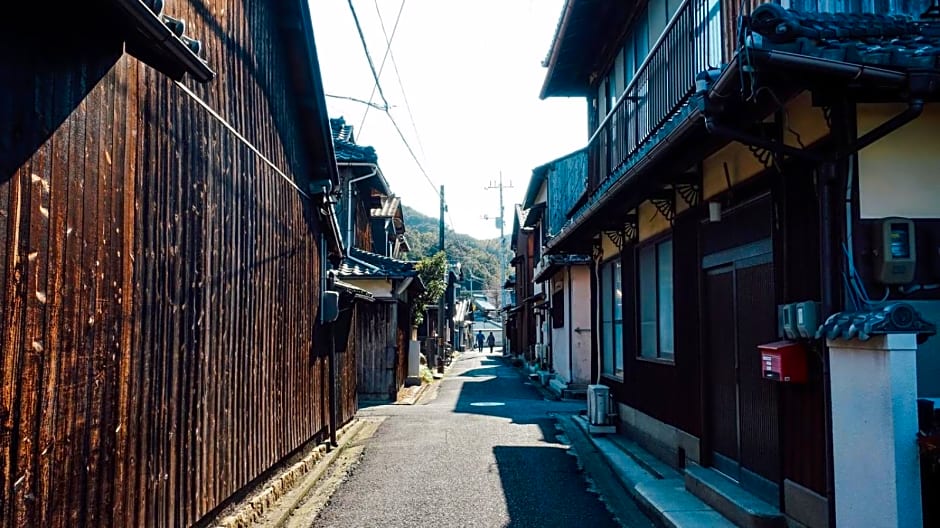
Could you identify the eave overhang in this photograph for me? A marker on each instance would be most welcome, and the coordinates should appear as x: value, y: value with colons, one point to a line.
x: 586, y: 29
x: 551, y: 264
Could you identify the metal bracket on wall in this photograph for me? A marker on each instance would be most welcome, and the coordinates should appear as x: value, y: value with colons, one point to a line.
x: 689, y: 187
x: 766, y: 156
x: 665, y: 202
x: 597, y: 250
x: 628, y: 233
x: 763, y: 156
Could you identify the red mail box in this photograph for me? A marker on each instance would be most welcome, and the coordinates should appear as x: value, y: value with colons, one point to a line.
x: 784, y: 361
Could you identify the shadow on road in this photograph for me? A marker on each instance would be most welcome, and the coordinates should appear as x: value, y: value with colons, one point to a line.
x: 497, y: 389
x: 538, y: 485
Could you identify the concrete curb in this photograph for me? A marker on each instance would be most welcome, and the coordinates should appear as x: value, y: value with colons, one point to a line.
x: 662, y: 497
x: 252, y: 508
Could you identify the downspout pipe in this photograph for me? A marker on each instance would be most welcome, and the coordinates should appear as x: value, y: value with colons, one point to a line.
x: 331, y: 343
x: 349, y: 206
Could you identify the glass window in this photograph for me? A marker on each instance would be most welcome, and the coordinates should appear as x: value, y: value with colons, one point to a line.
x: 647, y: 282
x: 665, y: 299
x: 657, y: 333
x: 642, y: 43
x: 629, y: 60
x: 611, y: 318
x: 611, y: 91
x: 607, y: 321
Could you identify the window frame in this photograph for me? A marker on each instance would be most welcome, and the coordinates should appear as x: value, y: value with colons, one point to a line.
x: 558, y: 308
x: 610, y: 271
x: 654, y: 246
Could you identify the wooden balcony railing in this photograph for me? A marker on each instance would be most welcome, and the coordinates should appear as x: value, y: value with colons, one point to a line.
x: 664, y: 82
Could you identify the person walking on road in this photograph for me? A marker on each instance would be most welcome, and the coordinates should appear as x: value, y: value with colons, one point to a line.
x: 480, y: 340
x: 491, y: 342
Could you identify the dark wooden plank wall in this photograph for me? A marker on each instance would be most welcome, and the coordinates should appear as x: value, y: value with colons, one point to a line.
x: 667, y: 392
x: 376, y: 352
x: 158, y: 283
x: 347, y: 368
x: 802, y: 406
x: 403, y: 338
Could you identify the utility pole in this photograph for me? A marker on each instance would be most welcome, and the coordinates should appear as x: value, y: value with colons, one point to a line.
x: 501, y: 223
x: 440, y: 305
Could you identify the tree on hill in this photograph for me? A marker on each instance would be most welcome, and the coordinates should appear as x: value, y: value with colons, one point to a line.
x: 477, y: 257
x: 431, y: 270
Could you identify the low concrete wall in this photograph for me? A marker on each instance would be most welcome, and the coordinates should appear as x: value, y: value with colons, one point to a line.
x: 659, y: 438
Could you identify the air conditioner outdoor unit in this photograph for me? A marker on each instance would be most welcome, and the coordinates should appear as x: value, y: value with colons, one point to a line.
x: 598, y: 400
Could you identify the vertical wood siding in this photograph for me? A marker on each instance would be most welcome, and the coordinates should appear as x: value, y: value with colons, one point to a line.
x: 376, y: 333
x: 158, y: 282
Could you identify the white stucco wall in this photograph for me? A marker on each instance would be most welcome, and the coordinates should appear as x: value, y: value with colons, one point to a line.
x: 899, y: 175
x: 580, y: 318
x: 561, y: 348
x: 571, y: 349
x: 874, y: 426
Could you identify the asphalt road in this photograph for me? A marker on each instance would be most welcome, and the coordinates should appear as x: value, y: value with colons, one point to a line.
x: 482, y: 452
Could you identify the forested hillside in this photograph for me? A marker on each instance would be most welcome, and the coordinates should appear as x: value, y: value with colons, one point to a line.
x: 479, y: 257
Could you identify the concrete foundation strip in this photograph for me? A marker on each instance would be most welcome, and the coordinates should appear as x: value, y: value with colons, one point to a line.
x: 318, y: 461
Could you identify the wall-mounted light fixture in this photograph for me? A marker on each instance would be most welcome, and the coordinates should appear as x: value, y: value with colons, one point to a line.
x: 714, y: 211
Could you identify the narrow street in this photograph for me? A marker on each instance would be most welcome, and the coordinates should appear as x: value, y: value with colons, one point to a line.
x: 482, y: 450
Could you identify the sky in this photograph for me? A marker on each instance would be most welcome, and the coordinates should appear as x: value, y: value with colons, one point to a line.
x: 462, y: 82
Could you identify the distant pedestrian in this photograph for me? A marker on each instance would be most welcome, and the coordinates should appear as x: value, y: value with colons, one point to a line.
x: 491, y: 342
x: 480, y: 340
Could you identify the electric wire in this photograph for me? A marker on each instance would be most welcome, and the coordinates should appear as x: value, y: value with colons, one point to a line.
x: 378, y: 86
x: 355, y: 100
x: 388, y: 51
x: 365, y: 47
x: 401, y: 86
x: 413, y: 156
x: 215, y: 115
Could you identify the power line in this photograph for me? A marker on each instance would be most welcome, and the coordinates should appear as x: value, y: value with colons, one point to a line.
x: 412, y: 152
x: 365, y: 47
x: 346, y: 97
x: 378, y: 86
x: 388, y: 52
x: 401, y: 86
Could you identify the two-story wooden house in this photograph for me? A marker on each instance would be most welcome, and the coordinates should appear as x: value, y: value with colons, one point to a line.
x: 521, y: 316
x: 375, y: 235
x: 737, y: 164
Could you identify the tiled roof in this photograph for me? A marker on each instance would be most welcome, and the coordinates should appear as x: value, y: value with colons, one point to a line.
x: 484, y: 305
x: 355, y: 290
x: 389, y: 209
x: 341, y: 131
x: 893, y: 318
x: 886, y: 41
x: 344, y: 143
x: 371, y: 265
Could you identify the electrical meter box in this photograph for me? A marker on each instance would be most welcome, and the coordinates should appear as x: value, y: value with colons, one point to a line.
x: 783, y: 361
x: 895, y: 251
x: 807, y: 318
x: 786, y: 322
